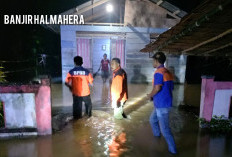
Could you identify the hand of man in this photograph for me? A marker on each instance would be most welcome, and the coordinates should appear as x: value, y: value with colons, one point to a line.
x: 70, y: 88
x: 91, y: 85
x: 119, y: 104
x: 149, y: 96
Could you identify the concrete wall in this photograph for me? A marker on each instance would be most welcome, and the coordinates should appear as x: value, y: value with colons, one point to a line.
x: 28, y: 106
x: 19, y: 110
x: 138, y: 65
x: 215, y: 104
x: 222, y: 102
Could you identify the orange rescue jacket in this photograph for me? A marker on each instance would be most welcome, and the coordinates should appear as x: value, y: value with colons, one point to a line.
x: 79, y: 78
x: 119, y: 92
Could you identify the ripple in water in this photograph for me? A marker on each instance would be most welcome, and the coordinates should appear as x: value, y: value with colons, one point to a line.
x: 110, y: 138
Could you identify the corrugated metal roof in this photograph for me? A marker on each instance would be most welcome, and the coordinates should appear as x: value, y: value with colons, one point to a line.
x: 206, y: 31
x: 181, y: 14
x: 169, y: 6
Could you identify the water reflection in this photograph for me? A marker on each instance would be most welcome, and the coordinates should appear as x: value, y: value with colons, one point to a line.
x: 109, y: 136
x: 26, y: 147
x: 101, y: 135
x: 81, y: 136
x: 214, y: 145
x: 117, y: 146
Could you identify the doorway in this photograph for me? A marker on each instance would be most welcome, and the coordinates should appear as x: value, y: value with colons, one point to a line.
x: 92, y: 47
x: 100, y: 46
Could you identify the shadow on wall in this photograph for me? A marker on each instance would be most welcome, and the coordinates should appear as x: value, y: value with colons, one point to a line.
x: 172, y: 70
x: 139, y: 34
x: 138, y: 77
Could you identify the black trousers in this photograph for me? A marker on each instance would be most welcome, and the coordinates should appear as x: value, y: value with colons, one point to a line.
x: 77, y: 106
x: 105, y: 74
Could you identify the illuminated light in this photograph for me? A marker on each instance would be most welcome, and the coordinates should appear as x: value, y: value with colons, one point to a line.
x: 109, y: 8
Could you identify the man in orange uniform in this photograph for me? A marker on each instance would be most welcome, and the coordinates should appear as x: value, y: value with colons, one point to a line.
x: 119, y: 92
x: 78, y: 80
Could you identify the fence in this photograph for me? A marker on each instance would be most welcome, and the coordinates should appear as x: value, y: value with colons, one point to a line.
x: 25, y: 69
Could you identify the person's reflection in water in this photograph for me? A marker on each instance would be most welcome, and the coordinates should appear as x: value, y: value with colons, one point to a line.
x: 138, y: 77
x: 105, y: 94
x: 82, y: 138
x: 117, y: 146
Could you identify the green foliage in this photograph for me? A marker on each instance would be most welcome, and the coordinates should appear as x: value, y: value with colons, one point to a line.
x: 2, y: 80
x: 1, y: 115
x: 217, y: 124
x: 2, y: 75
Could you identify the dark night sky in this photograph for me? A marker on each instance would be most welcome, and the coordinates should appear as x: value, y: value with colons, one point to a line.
x: 19, y: 41
x: 39, y: 6
x: 186, y: 5
x: 58, y: 6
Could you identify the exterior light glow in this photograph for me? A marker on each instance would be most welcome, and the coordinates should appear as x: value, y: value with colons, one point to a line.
x: 109, y: 8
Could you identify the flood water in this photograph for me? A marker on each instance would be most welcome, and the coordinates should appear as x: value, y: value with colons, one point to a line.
x: 102, y: 135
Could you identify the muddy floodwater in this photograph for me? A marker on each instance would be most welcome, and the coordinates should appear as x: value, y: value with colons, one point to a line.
x: 102, y: 135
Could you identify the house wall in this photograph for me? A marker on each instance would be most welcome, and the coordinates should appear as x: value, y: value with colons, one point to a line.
x: 136, y: 38
x: 147, y: 14
x: 137, y: 65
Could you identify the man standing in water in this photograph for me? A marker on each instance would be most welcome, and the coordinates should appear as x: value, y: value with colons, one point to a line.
x: 119, y: 93
x: 78, y: 80
x: 161, y: 95
x: 105, y: 68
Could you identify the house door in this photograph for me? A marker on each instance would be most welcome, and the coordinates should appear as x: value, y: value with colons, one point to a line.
x: 101, y: 46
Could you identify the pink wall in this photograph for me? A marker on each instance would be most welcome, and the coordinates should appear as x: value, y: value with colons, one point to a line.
x: 208, y: 88
x: 43, y: 108
x: 42, y: 103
